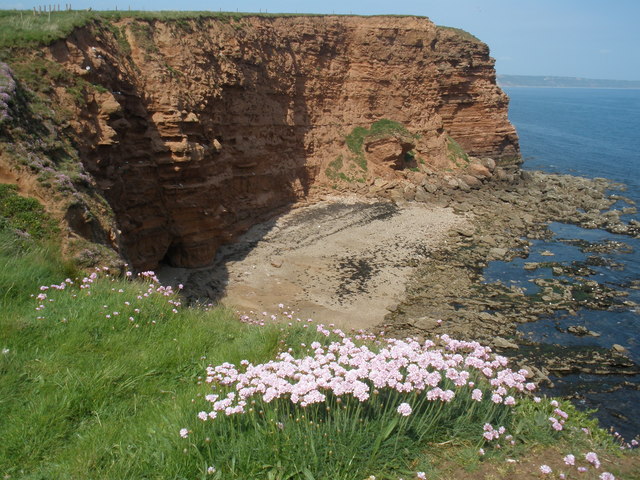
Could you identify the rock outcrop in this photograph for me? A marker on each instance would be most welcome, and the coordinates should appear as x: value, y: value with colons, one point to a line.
x: 199, y: 128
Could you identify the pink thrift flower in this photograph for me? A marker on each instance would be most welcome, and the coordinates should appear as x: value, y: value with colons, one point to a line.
x: 545, y: 469
x: 592, y: 458
x: 476, y: 394
x: 570, y: 460
x: 582, y: 469
x: 184, y: 433
x: 607, y: 476
x: 421, y: 475
x: 404, y: 409
x: 211, y: 470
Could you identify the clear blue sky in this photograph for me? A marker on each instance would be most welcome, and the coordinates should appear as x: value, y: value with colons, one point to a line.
x: 578, y: 38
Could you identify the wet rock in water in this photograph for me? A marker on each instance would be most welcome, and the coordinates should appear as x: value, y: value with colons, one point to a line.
x: 505, y: 219
x: 582, y: 331
x: 497, y: 253
x: 537, y: 375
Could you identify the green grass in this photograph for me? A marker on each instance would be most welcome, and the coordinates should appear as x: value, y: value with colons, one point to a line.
x: 21, y: 28
x: 381, y: 128
x: 85, y: 396
x: 456, y: 153
x: 24, y: 214
x: 462, y: 33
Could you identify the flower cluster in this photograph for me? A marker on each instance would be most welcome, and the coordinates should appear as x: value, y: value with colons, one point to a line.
x: 491, y: 433
x: 570, y: 460
x: 126, y: 309
x: 343, y: 368
x: 558, y: 418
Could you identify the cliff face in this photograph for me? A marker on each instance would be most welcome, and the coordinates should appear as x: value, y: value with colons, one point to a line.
x: 202, y: 127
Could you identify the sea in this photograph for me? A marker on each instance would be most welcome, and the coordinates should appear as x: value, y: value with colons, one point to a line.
x: 590, y: 133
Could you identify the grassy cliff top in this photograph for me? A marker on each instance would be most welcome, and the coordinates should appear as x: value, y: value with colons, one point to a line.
x: 21, y: 28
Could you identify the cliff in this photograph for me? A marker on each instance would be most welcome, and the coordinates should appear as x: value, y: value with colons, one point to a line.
x: 193, y: 130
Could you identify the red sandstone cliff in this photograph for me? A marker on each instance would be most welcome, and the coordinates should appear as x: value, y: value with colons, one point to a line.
x: 208, y: 125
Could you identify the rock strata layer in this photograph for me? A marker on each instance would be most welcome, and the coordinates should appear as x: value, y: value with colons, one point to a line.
x: 198, y: 129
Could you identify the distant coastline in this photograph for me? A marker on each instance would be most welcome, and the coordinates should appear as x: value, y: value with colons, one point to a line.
x: 540, y: 81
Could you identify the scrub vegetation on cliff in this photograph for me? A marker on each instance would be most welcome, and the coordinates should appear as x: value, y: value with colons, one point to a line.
x: 107, y: 376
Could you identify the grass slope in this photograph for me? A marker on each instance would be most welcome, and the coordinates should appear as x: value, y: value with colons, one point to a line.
x: 85, y: 393
x: 97, y: 382
x: 21, y: 28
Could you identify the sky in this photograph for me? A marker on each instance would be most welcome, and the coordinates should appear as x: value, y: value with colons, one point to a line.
x: 574, y: 38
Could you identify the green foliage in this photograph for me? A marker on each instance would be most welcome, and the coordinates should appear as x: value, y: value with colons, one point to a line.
x: 143, y: 33
x: 461, y: 33
x: 21, y: 28
x: 334, y: 172
x: 120, y: 35
x: 380, y: 129
x: 456, y: 152
x: 24, y: 214
x: 337, y: 439
x: 355, y: 140
x: 333, y: 169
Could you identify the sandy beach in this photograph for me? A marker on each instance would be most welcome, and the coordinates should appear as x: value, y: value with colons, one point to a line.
x: 343, y: 260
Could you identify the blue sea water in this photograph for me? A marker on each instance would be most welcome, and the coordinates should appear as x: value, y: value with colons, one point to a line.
x: 582, y: 131
x: 590, y: 133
